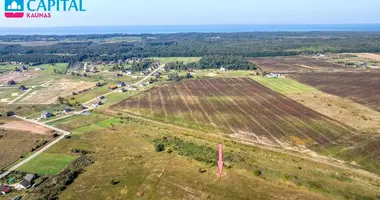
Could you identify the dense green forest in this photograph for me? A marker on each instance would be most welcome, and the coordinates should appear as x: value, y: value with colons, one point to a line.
x: 85, y: 47
x: 214, y: 62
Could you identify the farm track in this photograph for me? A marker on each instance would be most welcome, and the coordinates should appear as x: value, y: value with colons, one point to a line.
x: 243, y: 108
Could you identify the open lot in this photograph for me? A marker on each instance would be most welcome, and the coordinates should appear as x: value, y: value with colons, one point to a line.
x: 361, y: 87
x: 47, y: 164
x: 26, y: 127
x: 15, y: 144
x: 53, y: 90
x: 18, y: 77
x: 240, y: 108
x: 293, y: 64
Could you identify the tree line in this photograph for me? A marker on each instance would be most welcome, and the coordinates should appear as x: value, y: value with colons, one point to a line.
x: 214, y: 62
x: 255, y: 44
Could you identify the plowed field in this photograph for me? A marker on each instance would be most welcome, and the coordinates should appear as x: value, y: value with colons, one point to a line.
x: 360, y: 87
x: 239, y: 107
x: 293, y: 64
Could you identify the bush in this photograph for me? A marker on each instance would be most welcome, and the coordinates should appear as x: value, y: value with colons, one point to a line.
x: 201, y: 170
x: 257, y: 172
x: 160, y: 147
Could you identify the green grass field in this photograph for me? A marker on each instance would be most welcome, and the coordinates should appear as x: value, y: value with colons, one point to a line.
x: 283, y: 85
x: 97, y: 126
x: 47, y: 164
x: 7, y: 67
x: 185, y: 60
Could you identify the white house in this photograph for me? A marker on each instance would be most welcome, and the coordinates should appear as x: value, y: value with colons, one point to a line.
x: 273, y: 75
x: 222, y: 69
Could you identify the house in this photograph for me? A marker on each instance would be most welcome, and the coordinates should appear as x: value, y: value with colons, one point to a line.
x: 112, y: 87
x: 128, y: 72
x: 67, y: 110
x: 133, y: 88
x: 24, y: 68
x: 17, y: 69
x: 157, y: 74
x: 46, y: 115
x: 5, y: 189
x: 102, y: 97
x: 222, y: 69
x: 121, y: 84
x: 99, y: 103
x: 122, y: 90
x: 11, y: 82
x: 22, y: 88
x: 24, y: 184
x: 273, y: 75
x: 30, y: 177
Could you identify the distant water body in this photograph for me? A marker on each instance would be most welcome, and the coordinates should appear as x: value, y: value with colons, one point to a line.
x: 186, y: 29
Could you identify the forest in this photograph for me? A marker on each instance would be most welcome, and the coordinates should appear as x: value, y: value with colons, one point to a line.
x: 255, y: 44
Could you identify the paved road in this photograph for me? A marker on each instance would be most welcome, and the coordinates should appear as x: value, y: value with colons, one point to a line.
x: 63, y: 132
x: 25, y: 93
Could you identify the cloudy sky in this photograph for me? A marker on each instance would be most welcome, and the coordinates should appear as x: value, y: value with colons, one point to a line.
x: 185, y: 12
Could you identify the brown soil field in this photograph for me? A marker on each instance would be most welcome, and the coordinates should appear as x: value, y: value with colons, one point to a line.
x: 293, y: 64
x: 14, y: 144
x: 240, y: 108
x: 26, y: 127
x: 361, y: 87
x: 346, y: 111
x: 61, y: 88
x: 18, y: 77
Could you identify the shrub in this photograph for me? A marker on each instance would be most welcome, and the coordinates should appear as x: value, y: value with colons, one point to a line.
x: 257, y: 172
x: 160, y: 147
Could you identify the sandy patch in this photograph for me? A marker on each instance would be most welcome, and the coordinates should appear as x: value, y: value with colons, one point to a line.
x: 27, y: 127
x: 370, y: 56
x: 353, y: 114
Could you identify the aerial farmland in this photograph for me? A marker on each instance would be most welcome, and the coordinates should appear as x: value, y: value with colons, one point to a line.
x: 160, y: 119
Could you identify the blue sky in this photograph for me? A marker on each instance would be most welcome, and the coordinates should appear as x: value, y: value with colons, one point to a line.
x: 186, y: 12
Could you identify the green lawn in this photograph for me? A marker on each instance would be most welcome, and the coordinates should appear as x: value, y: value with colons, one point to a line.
x: 7, y: 67
x: 47, y: 164
x: 177, y: 59
x: 283, y: 85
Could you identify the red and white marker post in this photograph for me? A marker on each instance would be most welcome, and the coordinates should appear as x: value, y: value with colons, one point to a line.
x: 220, y: 162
